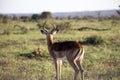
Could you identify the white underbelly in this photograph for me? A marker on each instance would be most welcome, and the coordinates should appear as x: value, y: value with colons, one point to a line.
x: 62, y: 58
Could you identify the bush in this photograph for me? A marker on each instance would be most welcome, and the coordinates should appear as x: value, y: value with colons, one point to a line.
x: 60, y: 26
x: 47, y: 25
x: 21, y: 29
x: 94, y: 40
x: 6, y: 32
x: 64, y: 26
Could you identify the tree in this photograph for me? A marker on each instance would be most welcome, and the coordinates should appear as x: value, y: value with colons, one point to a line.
x: 35, y: 17
x: 46, y: 15
x: 118, y: 11
x: 1, y: 17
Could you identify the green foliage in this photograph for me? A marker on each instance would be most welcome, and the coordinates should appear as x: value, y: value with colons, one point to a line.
x: 35, y: 17
x: 94, y: 40
x: 61, y: 26
x: 22, y: 29
x: 46, y: 15
x: 48, y: 25
x: 64, y: 26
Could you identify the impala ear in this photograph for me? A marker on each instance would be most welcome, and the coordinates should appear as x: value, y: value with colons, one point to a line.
x: 43, y: 31
x: 54, y: 31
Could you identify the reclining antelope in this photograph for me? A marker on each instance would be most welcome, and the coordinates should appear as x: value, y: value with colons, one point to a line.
x: 71, y: 50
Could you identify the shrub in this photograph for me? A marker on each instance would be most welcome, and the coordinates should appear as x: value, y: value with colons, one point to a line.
x: 6, y: 32
x: 60, y: 26
x: 94, y: 40
x: 64, y: 26
x: 22, y: 29
x: 47, y: 25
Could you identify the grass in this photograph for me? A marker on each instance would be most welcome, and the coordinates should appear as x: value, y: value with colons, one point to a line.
x: 101, y: 61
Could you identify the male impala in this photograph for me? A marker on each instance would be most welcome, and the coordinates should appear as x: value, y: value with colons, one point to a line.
x: 71, y: 50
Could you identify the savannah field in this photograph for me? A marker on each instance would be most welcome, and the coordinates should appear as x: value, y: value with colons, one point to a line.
x: 100, y: 39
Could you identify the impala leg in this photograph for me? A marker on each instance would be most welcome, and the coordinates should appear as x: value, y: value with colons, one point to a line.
x: 82, y: 72
x: 76, y: 74
x: 79, y: 63
x: 75, y: 69
x: 58, y: 64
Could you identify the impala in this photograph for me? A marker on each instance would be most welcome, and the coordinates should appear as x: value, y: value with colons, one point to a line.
x: 71, y: 50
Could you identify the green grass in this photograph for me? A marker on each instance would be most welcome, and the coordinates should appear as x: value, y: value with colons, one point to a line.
x: 101, y: 61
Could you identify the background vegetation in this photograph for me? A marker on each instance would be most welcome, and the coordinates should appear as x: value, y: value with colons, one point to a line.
x: 20, y: 37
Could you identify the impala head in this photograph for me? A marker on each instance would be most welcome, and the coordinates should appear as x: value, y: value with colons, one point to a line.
x: 49, y: 32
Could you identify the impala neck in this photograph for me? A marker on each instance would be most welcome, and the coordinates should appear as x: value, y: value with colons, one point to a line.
x: 49, y: 41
